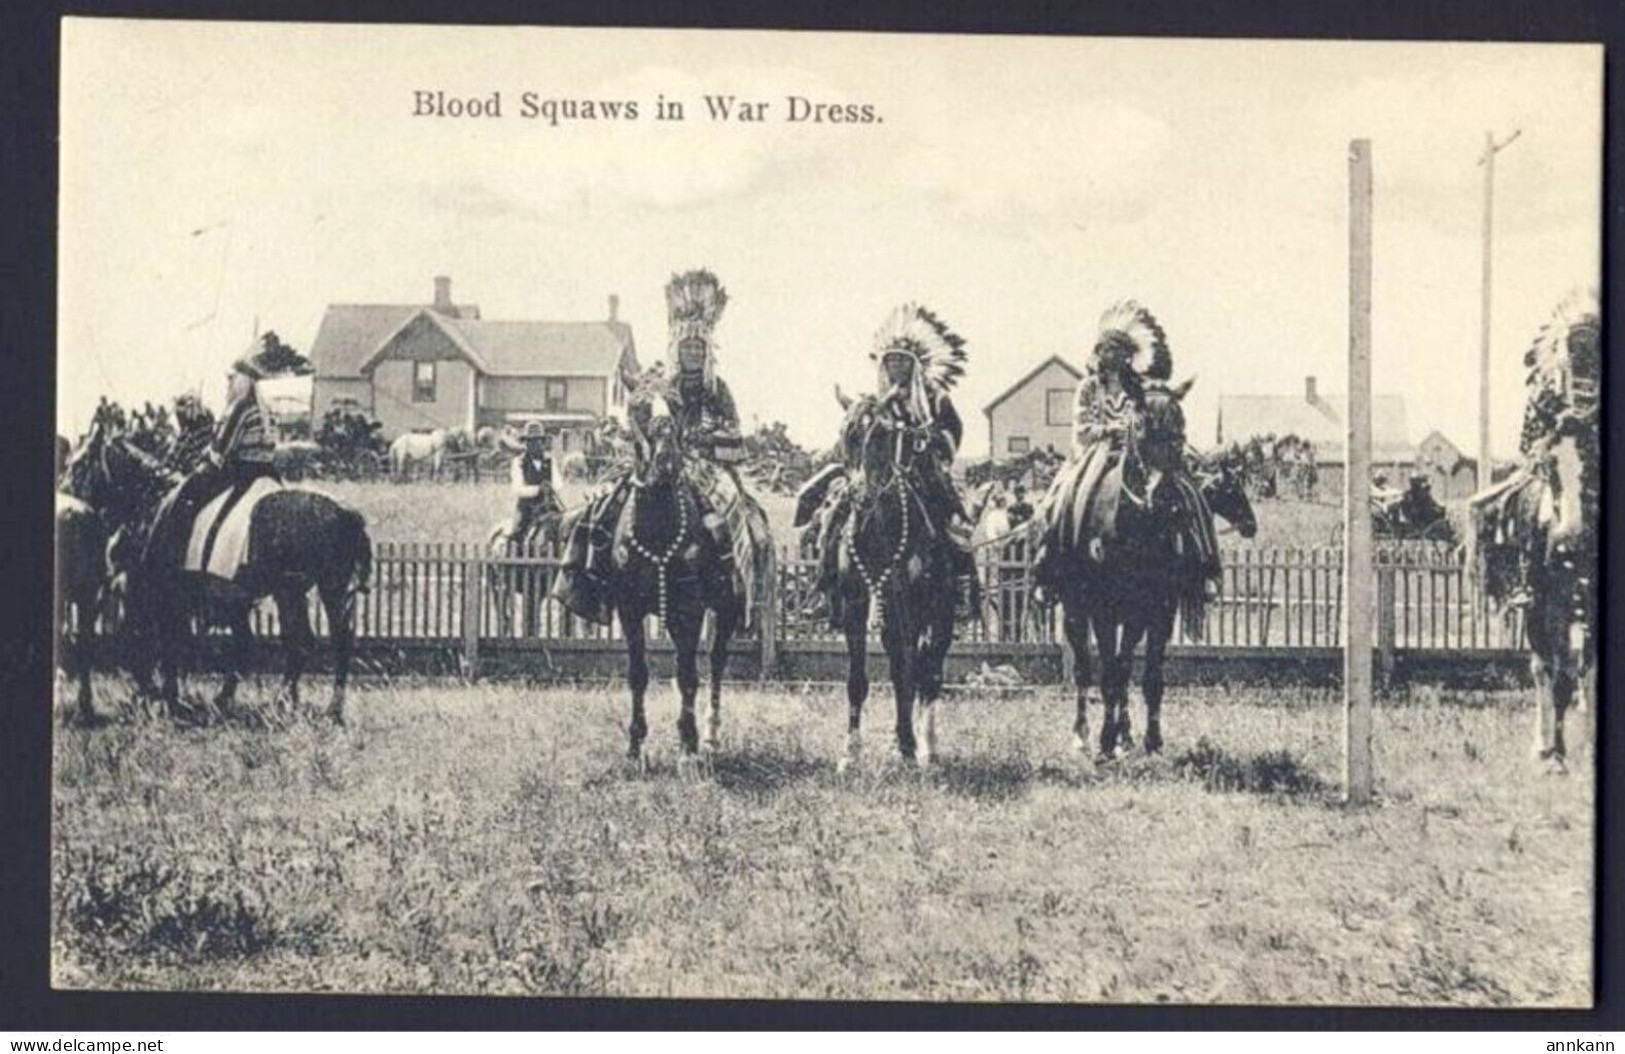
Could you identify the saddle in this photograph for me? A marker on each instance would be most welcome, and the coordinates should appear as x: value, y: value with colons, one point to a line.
x: 218, y: 542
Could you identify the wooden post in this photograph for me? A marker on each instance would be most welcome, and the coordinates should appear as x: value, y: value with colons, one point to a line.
x: 1358, y: 579
x: 1487, y: 160
x: 473, y: 595
x: 767, y: 617
x: 1386, y: 627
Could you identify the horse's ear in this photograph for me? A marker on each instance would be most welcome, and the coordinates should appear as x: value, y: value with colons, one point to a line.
x: 1181, y: 389
x: 842, y: 398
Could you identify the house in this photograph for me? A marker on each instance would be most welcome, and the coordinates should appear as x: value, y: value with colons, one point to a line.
x: 1319, y: 419
x: 1451, y: 474
x: 1035, y: 412
x: 419, y: 367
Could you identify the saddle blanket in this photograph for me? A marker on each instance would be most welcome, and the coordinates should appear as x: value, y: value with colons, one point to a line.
x: 219, y: 547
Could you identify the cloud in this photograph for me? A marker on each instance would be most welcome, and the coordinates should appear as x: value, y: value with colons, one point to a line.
x: 1040, y: 160
x: 465, y: 199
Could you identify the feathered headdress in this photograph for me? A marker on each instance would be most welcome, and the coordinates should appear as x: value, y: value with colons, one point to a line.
x: 1128, y: 325
x: 694, y: 303
x: 1578, y: 310
x: 939, y: 351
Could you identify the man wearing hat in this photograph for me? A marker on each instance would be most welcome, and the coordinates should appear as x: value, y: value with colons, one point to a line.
x: 535, y: 479
x: 240, y: 453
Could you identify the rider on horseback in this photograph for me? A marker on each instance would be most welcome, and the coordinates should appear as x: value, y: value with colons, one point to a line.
x: 709, y: 422
x: 918, y: 359
x: 535, y: 480
x: 1130, y: 353
x: 239, y: 454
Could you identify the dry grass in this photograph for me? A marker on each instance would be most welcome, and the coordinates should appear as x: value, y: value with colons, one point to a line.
x: 488, y: 839
x: 464, y: 512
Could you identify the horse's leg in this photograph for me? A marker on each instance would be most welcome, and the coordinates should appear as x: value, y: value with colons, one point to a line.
x: 637, y: 679
x: 86, y: 657
x: 901, y: 641
x: 296, y: 640
x: 933, y: 655
x: 1541, y: 664
x: 1156, y: 652
x: 168, y: 628
x: 726, y: 625
x: 685, y: 637
x: 1106, y: 633
x: 1075, y: 622
x: 339, y: 603
x: 1134, y: 629
x: 242, y: 633
x: 856, y: 613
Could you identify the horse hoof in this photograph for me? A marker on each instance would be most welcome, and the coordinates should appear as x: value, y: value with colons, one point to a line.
x: 1556, y: 766
x: 1080, y: 745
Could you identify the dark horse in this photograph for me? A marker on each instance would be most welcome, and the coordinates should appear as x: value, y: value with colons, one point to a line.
x: 1124, y: 577
x: 892, y: 561
x: 299, y: 540
x: 81, y: 581
x: 663, y: 563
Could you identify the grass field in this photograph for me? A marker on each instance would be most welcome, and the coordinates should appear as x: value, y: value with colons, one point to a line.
x: 489, y: 839
x: 451, y: 512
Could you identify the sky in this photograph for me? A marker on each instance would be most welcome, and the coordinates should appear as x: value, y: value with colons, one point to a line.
x: 217, y: 177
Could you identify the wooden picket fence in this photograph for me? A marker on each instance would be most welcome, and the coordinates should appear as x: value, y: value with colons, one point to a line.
x: 459, y: 596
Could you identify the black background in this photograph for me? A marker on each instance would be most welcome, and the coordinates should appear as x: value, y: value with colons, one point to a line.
x: 29, y: 57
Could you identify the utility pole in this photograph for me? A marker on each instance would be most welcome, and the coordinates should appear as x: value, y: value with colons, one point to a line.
x: 1486, y: 160
x: 1358, y: 577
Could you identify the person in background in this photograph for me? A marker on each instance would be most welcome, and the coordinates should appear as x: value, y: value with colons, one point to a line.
x: 1020, y: 510
x: 534, y: 476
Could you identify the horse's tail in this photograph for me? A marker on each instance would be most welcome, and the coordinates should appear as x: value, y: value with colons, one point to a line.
x: 361, y: 551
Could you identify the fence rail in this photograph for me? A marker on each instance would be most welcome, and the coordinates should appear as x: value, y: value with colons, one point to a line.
x: 459, y: 595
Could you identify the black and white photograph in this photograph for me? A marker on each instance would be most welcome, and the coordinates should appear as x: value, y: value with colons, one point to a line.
x: 804, y: 515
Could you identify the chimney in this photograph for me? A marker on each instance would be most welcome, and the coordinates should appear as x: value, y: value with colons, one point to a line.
x: 1309, y: 393
x: 442, y: 295
x: 614, y: 308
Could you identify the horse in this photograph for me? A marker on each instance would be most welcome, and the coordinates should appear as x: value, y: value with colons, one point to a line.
x: 529, y: 583
x: 81, y: 580
x: 300, y: 540
x: 1535, y: 519
x: 892, y: 562
x: 1124, y: 577
x: 662, y: 563
x: 415, y: 448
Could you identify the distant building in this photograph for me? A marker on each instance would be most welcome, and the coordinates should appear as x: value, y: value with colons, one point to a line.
x: 1319, y: 419
x: 1451, y: 474
x: 419, y: 367
x: 1035, y: 412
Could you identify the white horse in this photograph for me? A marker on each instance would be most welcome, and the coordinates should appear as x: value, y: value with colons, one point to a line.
x: 415, y: 448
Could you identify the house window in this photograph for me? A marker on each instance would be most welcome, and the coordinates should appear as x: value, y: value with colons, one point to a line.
x: 1018, y: 445
x: 1058, y: 407
x: 558, y: 393
x: 423, y: 382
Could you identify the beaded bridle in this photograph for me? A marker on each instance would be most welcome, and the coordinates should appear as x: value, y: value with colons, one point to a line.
x: 663, y: 558
x: 906, y: 441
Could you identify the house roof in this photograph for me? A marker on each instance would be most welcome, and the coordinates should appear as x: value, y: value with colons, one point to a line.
x: 1027, y: 377
x: 351, y: 332
x: 1243, y: 416
x: 522, y: 348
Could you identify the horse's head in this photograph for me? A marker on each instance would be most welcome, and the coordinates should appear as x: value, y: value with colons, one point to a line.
x: 874, y: 444
x: 1159, y: 432
x: 657, y: 449
x: 1226, y: 495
